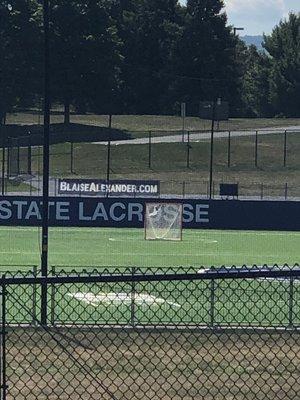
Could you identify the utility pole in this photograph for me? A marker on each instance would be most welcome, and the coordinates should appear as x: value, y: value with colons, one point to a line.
x: 237, y: 29
x: 45, y: 210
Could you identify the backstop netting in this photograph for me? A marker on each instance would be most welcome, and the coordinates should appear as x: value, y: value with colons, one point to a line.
x: 163, y: 221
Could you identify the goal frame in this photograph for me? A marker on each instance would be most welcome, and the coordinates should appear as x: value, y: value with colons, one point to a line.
x: 163, y: 203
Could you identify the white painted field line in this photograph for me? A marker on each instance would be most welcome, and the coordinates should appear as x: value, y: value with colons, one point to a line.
x: 120, y: 298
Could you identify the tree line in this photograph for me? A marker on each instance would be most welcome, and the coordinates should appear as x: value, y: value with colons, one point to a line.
x: 145, y: 57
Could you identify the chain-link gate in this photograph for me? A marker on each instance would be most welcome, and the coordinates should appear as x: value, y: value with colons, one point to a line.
x: 227, y: 334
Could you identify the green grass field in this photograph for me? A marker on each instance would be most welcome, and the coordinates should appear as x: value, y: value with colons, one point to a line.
x: 230, y: 302
x: 126, y: 247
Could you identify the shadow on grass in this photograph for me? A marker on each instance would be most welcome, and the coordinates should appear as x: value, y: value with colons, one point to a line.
x: 25, y: 135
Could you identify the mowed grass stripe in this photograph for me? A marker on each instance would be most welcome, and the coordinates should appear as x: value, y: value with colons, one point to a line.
x: 127, y: 247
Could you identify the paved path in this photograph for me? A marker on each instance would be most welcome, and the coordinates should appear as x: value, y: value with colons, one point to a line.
x: 197, y: 137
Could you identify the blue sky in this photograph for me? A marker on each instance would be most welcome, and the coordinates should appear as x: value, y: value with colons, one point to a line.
x: 258, y: 16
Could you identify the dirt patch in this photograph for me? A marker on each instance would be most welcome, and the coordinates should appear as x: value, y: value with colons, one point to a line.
x: 108, y: 364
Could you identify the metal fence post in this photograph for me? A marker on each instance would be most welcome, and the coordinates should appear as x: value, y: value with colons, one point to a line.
x: 72, y: 157
x: 262, y: 191
x: 29, y: 155
x: 188, y: 148
x: 229, y: 150
x: 108, y: 159
x: 8, y: 158
x: 150, y: 150
x: 212, y: 303
x: 3, y: 169
x: 256, y: 149
x: 4, y: 386
x: 132, y: 305
x: 52, y: 298
x: 18, y: 158
x: 285, y: 149
x: 286, y: 191
x: 291, y: 302
x: 34, y: 297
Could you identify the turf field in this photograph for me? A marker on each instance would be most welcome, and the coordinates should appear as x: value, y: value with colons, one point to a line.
x: 86, y: 247
x: 230, y: 302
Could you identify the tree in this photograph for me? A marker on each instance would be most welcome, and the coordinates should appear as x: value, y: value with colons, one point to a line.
x: 283, y: 46
x: 85, y: 53
x: 20, y: 61
x: 150, y: 31
x: 255, y: 84
x: 205, y: 56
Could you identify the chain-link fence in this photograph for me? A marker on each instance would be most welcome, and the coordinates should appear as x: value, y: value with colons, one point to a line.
x: 262, y: 165
x: 155, y: 334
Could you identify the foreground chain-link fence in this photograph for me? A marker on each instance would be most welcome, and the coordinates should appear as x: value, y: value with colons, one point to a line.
x: 133, y: 334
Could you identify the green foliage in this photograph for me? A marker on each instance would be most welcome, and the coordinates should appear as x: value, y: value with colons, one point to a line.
x: 283, y: 46
x: 86, y: 54
x: 145, y: 56
x: 255, y: 87
x: 205, y: 53
x: 150, y: 30
x: 20, y: 41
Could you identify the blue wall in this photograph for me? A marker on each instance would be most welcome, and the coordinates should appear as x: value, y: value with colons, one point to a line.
x: 97, y: 212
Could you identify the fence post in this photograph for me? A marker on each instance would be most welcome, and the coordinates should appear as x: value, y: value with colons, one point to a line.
x: 183, y: 189
x: 29, y: 155
x: 286, y: 191
x: 8, y: 159
x: 108, y: 160
x: 285, y: 149
x: 291, y: 301
x: 256, y: 149
x: 3, y: 387
x: 3, y: 169
x: 52, y: 299
x: 18, y: 158
x: 188, y: 150
x: 72, y: 157
x: 229, y: 150
x: 212, y: 303
x: 261, y: 190
x: 34, y: 297
x: 132, y: 305
x: 150, y: 150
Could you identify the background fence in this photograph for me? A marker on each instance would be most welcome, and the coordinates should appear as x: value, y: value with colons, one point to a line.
x: 264, y: 165
x: 153, y: 334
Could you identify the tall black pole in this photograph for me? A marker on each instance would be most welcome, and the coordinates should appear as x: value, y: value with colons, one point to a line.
x: 45, y: 222
x: 212, y: 148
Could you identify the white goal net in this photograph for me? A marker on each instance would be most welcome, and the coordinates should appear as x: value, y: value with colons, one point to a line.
x: 163, y: 221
